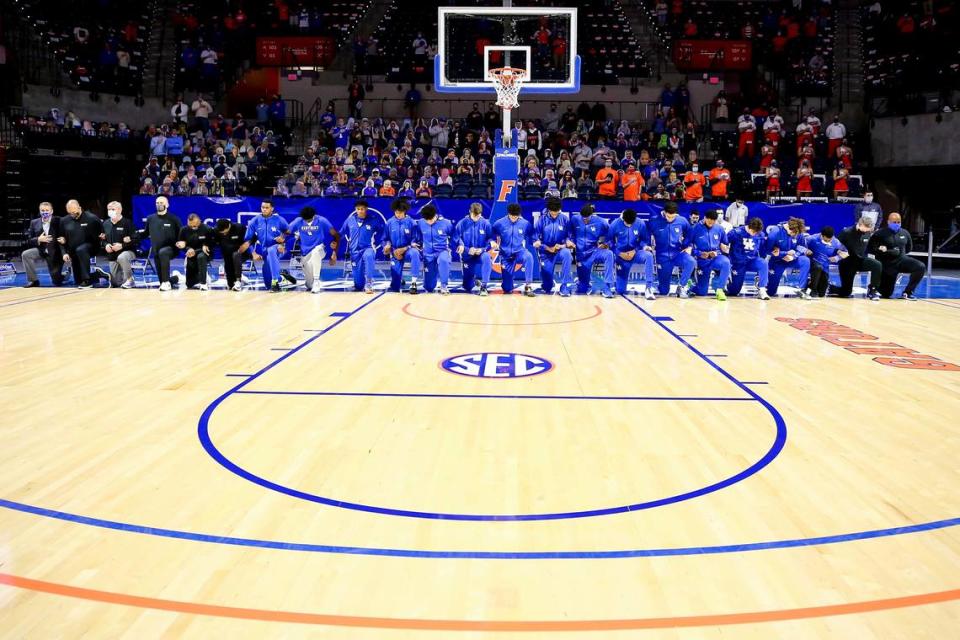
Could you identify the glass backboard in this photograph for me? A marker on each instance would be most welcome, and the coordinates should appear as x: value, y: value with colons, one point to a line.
x: 541, y: 40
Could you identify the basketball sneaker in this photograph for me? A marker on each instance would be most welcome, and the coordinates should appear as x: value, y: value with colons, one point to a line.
x: 763, y: 295
x: 649, y: 294
x: 528, y: 291
x: 721, y: 295
x: 908, y: 296
x: 413, y: 290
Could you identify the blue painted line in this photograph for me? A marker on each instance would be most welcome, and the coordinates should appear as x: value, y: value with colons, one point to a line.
x: 472, y: 396
x: 203, y: 433
x: 340, y: 314
x: 662, y: 318
x: 478, y: 555
x: 492, y: 555
x: 39, y: 298
x: 942, y: 304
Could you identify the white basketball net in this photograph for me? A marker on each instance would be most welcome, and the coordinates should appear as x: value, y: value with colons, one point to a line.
x: 507, y: 82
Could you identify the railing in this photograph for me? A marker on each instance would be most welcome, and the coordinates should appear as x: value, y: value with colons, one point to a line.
x: 394, y: 108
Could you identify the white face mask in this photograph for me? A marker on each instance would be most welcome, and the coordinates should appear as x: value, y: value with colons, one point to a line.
x: 114, y: 215
x: 868, y: 199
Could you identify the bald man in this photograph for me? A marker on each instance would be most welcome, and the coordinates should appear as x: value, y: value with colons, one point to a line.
x: 892, y: 246
x: 80, y: 235
x: 163, y: 229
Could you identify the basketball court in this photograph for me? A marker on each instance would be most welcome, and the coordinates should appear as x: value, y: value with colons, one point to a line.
x: 332, y: 466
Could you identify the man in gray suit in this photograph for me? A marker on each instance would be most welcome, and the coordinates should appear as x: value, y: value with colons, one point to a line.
x: 43, y: 245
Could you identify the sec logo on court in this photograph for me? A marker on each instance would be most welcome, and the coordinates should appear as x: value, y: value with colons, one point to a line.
x: 496, y: 365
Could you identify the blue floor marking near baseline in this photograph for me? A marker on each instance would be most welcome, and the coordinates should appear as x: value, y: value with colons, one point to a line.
x: 663, y: 318
x: 371, y: 394
x: 339, y: 314
x: 39, y: 298
x: 203, y: 432
x: 478, y: 555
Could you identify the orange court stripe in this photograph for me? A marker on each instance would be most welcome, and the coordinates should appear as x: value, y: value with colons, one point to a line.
x: 268, y: 615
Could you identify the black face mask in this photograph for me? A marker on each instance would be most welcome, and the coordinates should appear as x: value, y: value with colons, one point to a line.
x: 629, y: 217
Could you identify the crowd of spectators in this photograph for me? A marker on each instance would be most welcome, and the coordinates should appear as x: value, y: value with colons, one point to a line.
x: 911, y: 46
x: 216, y: 39
x: 794, y: 37
x: 101, y: 44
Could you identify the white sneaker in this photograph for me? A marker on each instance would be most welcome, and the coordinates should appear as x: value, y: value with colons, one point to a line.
x: 165, y: 286
x: 316, y: 288
x: 763, y: 295
x: 649, y: 294
x: 444, y: 291
x: 177, y: 277
x: 237, y: 286
x: 244, y: 279
x: 803, y: 295
x: 127, y: 284
x: 682, y: 292
x: 203, y: 287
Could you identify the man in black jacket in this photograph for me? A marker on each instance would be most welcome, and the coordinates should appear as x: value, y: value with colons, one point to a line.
x: 163, y: 229
x: 892, y: 246
x: 43, y: 244
x: 80, y: 235
x: 197, y: 239
x: 120, y: 244
x: 857, y: 240
x: 229, y: 237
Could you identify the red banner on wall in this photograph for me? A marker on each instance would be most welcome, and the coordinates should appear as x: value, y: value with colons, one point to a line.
x: 712, y: 55
x: 306, y: 51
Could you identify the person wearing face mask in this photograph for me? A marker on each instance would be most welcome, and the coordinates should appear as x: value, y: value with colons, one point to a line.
x: 43, y: 245
x: 163, y: 229
x: 472, y: 236
x: 693, y: 182
x: 630, y: 240
x: 197, y: 239
x: 632, y: 183
x: 435, y: 233
x: 80, y: 235
x: 513, y: 237
x: 671, y: 238
x: 826, y: 250
x: 892, y: 246
x: 745, y: 243
x: 786, y: 247
x: 856, y: 241
x: 606, y: 180
x: 120, y: 244
x: 719, y: 179
x: 710, y: 243
x: 869, y: 209
x: 589, y: 234
x: 551, y: 236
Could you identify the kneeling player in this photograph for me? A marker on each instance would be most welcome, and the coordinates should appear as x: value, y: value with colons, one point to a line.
x: 266, y: 236
x: 631, y: 245
x: 745, y: 242
x: 197, y: 239
x: 825, y: 249
x: 312, y: 230
x: 589, y: 233
x: 787, y: 249
x: 229, y: 237
x: 401, y: 246
x: 551, y: 236
x: 472, y: 236
x: 363, y: 232
x: 435, y: 233
x: 709, y: 244
x: 513, y: 237
x: 671, y: 236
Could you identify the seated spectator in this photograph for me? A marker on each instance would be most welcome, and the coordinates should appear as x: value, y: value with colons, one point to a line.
x: 387, y: 190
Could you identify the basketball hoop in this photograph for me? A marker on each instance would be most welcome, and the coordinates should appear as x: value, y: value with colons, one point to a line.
x: 507, y: 81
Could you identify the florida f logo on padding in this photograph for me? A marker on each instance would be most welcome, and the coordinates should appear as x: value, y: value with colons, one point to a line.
x: 505, y: 188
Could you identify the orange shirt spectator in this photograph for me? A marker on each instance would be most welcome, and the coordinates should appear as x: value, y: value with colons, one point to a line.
x: 387, y: 190
x: 693, y: 182
x: 719, y: 178
x: 632, y: 183
x: 607, y: 180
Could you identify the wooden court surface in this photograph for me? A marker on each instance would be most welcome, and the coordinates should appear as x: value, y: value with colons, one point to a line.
x: 251, y: 465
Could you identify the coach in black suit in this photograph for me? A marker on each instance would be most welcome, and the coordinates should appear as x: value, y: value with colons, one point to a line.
x: 43, y: 244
